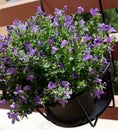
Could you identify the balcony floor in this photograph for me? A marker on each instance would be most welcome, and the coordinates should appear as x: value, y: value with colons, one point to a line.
x: 37, y: 122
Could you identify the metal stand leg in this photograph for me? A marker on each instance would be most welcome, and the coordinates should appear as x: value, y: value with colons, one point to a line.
x: 41, y: 4
x: 87, y: 116
x: 101, y: 9
x: 45, y: 116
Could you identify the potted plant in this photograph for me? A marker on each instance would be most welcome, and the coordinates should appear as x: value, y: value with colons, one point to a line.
x: 49, y: 60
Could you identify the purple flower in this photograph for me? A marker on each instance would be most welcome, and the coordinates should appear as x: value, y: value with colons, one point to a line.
x: 55, y: 22
x: 32, y: 51
x: 41, y: 54
x: 65, y: 7
x: 105, y: 27
x: 111, y: 29
x: 3, y: 45
x: 65, y: 84
x: 11, y: 70
x: 27, y: 45
x: 13, y: 116
x: 82, y: 22
x: 18, y: 90
x: 14, y: 106
x: 63, y: 43
x: 31, y: 77
x: 51, y: 85
x: 58, y: 12
x: 71, y: 50
x: 9, y: 28
x: 72, y: 28
x: 87, y: 55
x: 3, y: 102
x: 8, y: 60
x: 77, y: 37
x: 67, y: 93
x: 94, y: 11
x: 105, y: 61
x: 35, y: 28
x: 61, y: 65
x: 33, y: 18
x: 15, y: 22
x: 2, y: 37
x: 23, y: 26
x: 27, y: 88
x: 40, y: 43
x: 40, y: 11
x: 1, y: 68
x: 8, y: 40
x: 80, y: 10
x: 23, y: 99
x: 54, y: 50
x: 98, y: 41
x: 98, y: 80
x: 50, y: 41
x: 37, y: 100
x: 67, y: 21
x: 15, y: 51
x: 74, y: 75
x: 50, y: 17
x: 108, y: 39
x: 97, y: 93
x: 87, y: 37
x: 27, y: 67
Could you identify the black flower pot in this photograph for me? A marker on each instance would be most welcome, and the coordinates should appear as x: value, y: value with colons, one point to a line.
x: 72, y: 110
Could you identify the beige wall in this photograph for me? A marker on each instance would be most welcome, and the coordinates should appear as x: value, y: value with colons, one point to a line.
x: 3, y: 31
x: 2, y: 1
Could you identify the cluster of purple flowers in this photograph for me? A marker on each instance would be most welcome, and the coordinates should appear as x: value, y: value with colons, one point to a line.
x: 61, y: 91
x: 47, y: 59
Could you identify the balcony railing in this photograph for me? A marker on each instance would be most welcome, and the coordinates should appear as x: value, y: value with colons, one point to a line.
x: 25, y: 8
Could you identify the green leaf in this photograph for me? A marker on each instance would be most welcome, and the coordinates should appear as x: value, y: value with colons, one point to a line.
x: 46, y: 65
